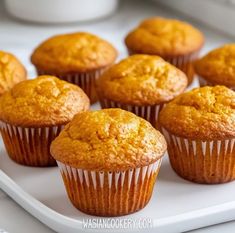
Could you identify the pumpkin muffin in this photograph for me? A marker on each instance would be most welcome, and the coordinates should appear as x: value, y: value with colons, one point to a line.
x: 109, y: 160
x: 141, y: 84
x: 11, y: 71
x: 175, y: 41
x: 33, y: 113
x: 79, y: 58
x: 199, y: 127
x: 217, y: 67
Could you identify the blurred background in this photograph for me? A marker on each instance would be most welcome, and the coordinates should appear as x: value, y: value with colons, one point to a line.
x: 25, y: 23
x: 216, y: 13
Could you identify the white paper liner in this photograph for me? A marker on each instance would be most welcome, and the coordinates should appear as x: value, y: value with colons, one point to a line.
x: 90, y: 177
x: 184, y: 63
x: 202, y: 161
x: 86, y: 80
x: 29, y: 146
x: 128, y: 190
x: 149, y: 113
x: 204, y: 82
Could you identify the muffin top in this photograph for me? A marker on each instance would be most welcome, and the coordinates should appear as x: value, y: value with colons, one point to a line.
x: 218, y: 66
x: 108, y: 140
x: 206, y: 113
x: 11, y: 71
x: 75, y: 52
x: 44, y: 101
x: 142, y: 80
x: 164, y: 37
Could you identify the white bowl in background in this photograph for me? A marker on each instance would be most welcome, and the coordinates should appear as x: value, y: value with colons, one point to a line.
x: 60, y: 11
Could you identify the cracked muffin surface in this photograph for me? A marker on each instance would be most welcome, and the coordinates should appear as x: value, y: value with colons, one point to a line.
x: 164, y: 37
x: 108, y: 140
x: 11, y: 71
x: 218, y: 66
x: 206, y: 113
x: 43, y: 101
x: 142, y: 80
x: 74, y: 52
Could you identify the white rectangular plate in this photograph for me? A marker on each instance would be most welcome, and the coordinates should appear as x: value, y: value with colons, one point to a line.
x: 176, y: 205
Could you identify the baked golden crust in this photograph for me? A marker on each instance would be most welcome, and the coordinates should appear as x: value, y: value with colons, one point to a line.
x: 108, y: 140
x: 71, y: 53
x: 142, y: 80
x: 44, y: 101
x: 206, y: 113
x: 164, y: 37
x: 11, y: 71
x: 218, y: 66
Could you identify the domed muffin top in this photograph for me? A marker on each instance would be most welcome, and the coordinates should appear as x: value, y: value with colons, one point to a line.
x: 108, y: 140
x: 75, y: 52
x: 11, y: 71
x: 218, y: 66
x: 206, y: 113
x: 142, y: 80
x: 164, y: 37
x: 44, y: 101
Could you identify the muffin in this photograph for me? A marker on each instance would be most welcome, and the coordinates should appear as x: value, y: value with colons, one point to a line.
x: 141, y: 84
x: 79, y: 58
x: 109, y: 160
x: 199, y: 127
x: 217, y: 67
x: 33, y: 113
x: 175, y: 41
x: 11, y: 71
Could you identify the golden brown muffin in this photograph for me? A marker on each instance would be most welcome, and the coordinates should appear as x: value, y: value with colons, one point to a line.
x: 218, y: 66
x: 164, y: 37
x: 11, y: 71
x: 33, y: 113
x: 142, y: 80
x: 44, y: 101
x: 200, y: 130
x: 206, y: 113
x: 114, y: 157
x: 79, y: 58
x: 108, y: 140
x: 141, y: 84
x: 176, y: 41
x: 72, y: 53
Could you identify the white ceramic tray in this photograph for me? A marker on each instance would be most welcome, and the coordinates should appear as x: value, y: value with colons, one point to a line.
x: 176, y: 205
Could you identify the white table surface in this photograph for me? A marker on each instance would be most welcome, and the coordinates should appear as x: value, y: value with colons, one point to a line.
x: 20, y: 38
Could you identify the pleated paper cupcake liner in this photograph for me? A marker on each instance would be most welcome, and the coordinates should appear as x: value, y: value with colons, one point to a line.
x: 184, y: 63
x: 109, y: 193
x: 149, y: 113
x: 204, y: 82
x: 86, y: 81
x: 200, y: 161
x: 29, y: 146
